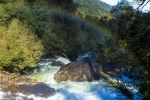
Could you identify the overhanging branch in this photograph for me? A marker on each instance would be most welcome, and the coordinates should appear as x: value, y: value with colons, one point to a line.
x: 143, y: 4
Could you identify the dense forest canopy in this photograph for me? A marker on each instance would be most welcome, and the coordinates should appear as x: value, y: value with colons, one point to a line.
x: 32, y: 29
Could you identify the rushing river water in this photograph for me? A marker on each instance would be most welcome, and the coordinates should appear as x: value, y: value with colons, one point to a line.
x: 69, y: 90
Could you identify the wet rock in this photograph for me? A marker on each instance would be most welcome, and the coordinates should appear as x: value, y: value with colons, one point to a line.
x: 39, y: 89
x: 57, y: 63
x: 14, y: 83
x: 79, y: 71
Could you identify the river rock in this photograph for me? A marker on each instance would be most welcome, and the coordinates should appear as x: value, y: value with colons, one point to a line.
x: 57, y: 63
x: 39, y: 89
x: 79, y: 71
x: 14, y: 83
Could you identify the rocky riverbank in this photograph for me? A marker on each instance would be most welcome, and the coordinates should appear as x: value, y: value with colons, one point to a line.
x: 15, y: 83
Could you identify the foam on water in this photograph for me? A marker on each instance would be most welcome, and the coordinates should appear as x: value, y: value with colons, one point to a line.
x: 70, y: 90
x: 63, y: 60
x: 2, y: 94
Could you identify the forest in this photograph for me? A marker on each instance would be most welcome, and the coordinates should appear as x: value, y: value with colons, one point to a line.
x: 33, y: 29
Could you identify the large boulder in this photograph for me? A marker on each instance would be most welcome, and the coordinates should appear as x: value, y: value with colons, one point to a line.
x: 14, y: 83
x: 79, y: 71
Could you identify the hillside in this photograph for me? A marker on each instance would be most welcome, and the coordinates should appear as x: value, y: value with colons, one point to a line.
x: 92, y: 8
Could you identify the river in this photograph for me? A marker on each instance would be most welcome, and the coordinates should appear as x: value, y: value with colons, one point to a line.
x: 70, y: 90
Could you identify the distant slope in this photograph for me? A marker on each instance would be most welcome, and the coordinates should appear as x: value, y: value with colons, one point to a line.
x: 92, y: 8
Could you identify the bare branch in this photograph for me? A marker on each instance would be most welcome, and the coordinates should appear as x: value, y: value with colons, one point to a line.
x: 145, y: 4
x: 141, y: 4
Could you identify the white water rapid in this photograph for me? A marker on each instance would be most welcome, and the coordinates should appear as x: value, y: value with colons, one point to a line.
x: 69, y: 90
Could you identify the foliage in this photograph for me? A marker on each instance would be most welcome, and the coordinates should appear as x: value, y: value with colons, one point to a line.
x: 68, y: 5
x: 59, y: 32
x: 142, y: 48
x: 92, y: 8
x: 62, y: 5
x: 19, y: 47
x: 133, y: 32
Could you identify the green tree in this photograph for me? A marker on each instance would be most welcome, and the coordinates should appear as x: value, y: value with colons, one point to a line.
x: 19, y: 47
